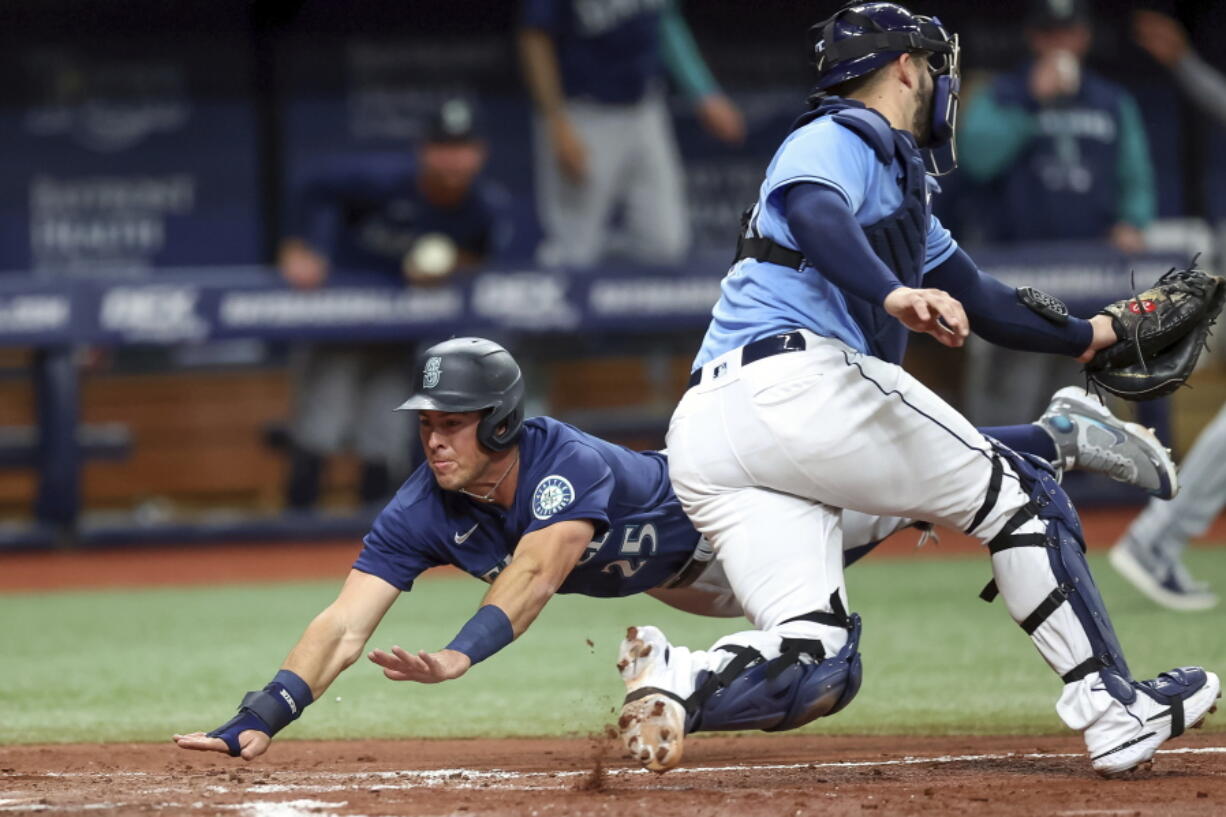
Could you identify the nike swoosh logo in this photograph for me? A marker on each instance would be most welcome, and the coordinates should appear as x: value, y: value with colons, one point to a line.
x: 462, y: 538
x: 1161, y: 714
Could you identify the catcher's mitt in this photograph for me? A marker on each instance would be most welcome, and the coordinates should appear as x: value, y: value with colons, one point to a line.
x: 1160, y: 334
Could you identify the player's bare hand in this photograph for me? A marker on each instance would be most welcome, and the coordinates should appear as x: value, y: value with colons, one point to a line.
x: 568, y: 148
x: 933, y: 311
x: 301, y: 266
x: 1127, y: 238
x: 424, y: 667
x: 1164, y: 38
x: 722, y: 119
x: 1104, y: 336
x: 1055, y: 73
x: 252, y: 741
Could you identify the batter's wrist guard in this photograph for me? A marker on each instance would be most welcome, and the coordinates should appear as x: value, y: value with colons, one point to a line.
x: 487, y: 632
x: 269, y: 710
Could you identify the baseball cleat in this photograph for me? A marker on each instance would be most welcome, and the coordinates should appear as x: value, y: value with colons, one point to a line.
x: 1088, y: 436
x: 652, y: 722
x: 1163, y: 580
x: 1143, y: 715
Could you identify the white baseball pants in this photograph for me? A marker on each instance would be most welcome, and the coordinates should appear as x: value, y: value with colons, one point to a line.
x: 766, y: 457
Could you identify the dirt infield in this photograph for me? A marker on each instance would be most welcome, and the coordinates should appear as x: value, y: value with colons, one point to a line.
x: 748, y: 776
x: 789, y: 775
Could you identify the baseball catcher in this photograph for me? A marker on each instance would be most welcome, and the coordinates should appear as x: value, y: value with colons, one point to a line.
x: 1160, y: 334
x: 800, y: 410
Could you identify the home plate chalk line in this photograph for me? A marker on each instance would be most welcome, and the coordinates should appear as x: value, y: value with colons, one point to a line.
x: 504, y: 780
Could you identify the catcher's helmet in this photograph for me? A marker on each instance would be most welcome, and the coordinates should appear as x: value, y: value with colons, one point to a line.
x: 861, y: 38
x: 472, y: 374
x: 858, y: 39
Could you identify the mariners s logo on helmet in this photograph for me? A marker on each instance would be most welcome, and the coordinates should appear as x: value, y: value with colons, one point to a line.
x: 552, y: 494
x: 430, y: 375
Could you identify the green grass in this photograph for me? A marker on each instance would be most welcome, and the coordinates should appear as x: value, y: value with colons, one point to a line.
x: 142, y: 664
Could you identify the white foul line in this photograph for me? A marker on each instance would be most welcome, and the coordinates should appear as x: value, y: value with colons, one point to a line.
x: 500, y: 779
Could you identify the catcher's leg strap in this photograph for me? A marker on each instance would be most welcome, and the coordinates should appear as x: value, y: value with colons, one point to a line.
x: 799, y: 685
x: 1040, y: 567
x: 993, y: 493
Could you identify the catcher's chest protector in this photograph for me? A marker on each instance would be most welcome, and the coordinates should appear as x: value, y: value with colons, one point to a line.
x: 900, y: 239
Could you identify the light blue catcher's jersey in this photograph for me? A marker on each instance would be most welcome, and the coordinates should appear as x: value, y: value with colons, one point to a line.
x: 759, y: 299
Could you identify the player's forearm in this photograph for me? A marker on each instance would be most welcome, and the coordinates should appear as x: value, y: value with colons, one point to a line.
x: 543, y: 559
x: 1204, y: 85
x: 539, y: 62
x: 833, y: 241
x: 991, y: 135
x: 326, y: 649
x: 1138, y: 199
x: 513, y: 602
x: 522, y: 591
x: 681, y: 55
x: 997, y: 316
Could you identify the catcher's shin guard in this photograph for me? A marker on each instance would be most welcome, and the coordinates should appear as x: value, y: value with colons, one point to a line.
x: 800, y: 685
x: 1038, y: 560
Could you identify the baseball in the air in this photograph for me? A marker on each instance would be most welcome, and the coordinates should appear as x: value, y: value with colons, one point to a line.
x: 434, y: 254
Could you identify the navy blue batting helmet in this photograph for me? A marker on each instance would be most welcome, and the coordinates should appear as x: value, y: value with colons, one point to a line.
x: 472, y: 374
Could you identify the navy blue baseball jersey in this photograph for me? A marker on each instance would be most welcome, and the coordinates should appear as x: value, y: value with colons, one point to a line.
x: 642, y: 538
x: 608, y: 50
x: 1067, y: 183
x: 365, y: 213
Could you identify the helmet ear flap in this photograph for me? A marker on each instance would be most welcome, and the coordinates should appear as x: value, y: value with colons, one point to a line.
x: 509, y: 417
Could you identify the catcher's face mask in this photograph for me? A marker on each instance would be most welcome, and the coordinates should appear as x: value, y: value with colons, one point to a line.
x: 945, y: 66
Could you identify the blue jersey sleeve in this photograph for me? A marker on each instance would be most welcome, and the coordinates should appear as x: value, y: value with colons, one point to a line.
x: 391, y: 551
x: 831, y: 240
x: 997, y: 316
x: 940, y: 244
x: 545, y: 14
x: 825, y: 153
x: 579, y: 485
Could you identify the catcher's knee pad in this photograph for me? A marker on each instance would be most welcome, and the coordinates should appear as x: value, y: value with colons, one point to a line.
x: 799, y: 686
x: 1061, y: 539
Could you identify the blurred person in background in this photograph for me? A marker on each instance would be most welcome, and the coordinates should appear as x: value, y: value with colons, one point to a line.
x: 1167, y: 42
x: 1064, y: 153
x: 416, y: 223
x: 1150, y: 554
x: 604, y: 139
x: 1065, y: 146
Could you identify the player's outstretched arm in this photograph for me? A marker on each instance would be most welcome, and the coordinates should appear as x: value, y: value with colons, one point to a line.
x: 333, y: 641
x: 539, y: 60
x: 1018, y: 318
x: 543, y: 559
